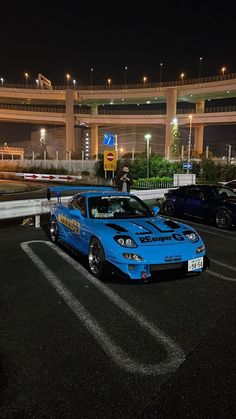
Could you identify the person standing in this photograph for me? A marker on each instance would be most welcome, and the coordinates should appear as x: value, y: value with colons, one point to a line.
x: 124, y: 180
x: 58, y: 194
x: 48, y: 194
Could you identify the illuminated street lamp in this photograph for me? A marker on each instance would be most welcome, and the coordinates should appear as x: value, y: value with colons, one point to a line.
x: 74, y: 82
x: 189, y: 140
x: 68, y: 79
x: 91, y: 77
x: 147, y: 137
x: 223, y: 70
x: 109, y: 83
x: 126, y: 68
x: 200, y: 67
x: 144, y: 80
x: 182, y: 76
x: 121, y: 151
x: 26, y: 79
x: 37, y: 82
x: 2, y: 81
x: 161, y: 65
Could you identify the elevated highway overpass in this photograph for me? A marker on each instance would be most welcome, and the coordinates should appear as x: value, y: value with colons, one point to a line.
x: 85, y: 106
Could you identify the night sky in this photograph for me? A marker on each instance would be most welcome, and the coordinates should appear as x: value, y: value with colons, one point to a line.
x: 53, y: 39
x: 37, y: 37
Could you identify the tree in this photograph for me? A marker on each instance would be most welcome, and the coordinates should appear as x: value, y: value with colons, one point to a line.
x: 174, y: 147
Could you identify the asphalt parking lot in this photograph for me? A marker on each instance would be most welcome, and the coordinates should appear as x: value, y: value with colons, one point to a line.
x: 72, y: 346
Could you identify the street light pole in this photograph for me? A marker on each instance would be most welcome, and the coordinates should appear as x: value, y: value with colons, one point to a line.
x: 116, y: 146
x: 223, y: 70
x: 147, y: 138
x: 91, y: 77
x: 229, y: 153
x: 189, y: 141
x: 126, y: 68
x: 26, y: 79
x: 68, y: 79
x: 200, y: 67
x: 161, y: 64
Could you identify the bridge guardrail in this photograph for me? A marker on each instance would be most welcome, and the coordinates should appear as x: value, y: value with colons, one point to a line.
x: 37, y: 207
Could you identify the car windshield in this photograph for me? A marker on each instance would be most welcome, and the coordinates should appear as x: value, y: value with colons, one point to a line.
x: 118, y: 207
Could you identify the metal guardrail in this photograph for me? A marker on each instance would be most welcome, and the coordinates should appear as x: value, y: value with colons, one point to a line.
x: 114, y: 111
x: 196, y: 80
x: 145, y: 184
x: 37, y: 207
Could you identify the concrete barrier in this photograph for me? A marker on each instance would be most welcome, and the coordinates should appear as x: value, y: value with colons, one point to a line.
x: 37, y: 207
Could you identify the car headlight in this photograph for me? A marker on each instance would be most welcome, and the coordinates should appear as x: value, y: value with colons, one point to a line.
x: 191, y: 236
x: 125, y: 241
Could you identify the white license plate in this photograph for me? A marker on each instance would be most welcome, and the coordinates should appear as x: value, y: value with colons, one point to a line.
x: 194, y: 264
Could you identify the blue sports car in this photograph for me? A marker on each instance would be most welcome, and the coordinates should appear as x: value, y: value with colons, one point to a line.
x: 119, y: 229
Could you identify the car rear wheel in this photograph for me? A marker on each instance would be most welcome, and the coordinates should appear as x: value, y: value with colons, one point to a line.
x: 96, y: 258
x: 223, y: 218
x: 54, y: 231
x: 169, y: 208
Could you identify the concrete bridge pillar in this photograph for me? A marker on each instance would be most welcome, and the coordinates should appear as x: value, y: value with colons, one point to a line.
x: 94, y: 110
x: 171, y: 107
x: 70, y: 133
x: 199, y: 130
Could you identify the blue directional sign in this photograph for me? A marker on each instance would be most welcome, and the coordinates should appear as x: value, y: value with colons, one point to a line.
x: 187, y: 165
x: 109, y: 139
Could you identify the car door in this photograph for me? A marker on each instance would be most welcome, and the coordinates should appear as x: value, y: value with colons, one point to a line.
x: 79, y: 233
x: 195, y: 203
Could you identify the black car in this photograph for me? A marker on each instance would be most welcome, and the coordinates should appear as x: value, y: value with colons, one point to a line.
x: 231, y: 184
x: 211, y: 203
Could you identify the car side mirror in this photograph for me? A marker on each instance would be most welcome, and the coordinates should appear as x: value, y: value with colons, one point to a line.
x: 156, y: 209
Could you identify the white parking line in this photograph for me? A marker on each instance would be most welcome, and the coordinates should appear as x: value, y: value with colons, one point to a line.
x: 215, y: 233
x: 210, y: 229
x: 175, y: 355
x: 224, y: 265
x: 226, y: 278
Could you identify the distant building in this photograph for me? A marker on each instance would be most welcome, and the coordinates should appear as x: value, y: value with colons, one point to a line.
x: 55, y: 142
x: 130, y: 140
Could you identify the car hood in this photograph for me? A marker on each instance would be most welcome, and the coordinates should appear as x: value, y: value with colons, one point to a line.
x: 148, y: 231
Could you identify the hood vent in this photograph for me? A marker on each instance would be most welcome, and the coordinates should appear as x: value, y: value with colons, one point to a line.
x: 171, y: 224
x: 117, y: 227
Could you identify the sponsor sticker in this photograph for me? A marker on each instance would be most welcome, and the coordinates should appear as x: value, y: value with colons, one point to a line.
x: 71, y: 224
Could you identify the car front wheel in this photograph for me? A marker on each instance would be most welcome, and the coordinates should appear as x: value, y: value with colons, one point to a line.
x: 54, y: 230
x: 169, y: 208
x: 223, y: 218
x: 96, y: 258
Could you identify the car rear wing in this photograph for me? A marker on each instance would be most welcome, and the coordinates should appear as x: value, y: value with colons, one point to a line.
x: 60, y: 189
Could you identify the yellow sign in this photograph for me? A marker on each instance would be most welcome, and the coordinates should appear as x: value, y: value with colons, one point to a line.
x: 110, y: 159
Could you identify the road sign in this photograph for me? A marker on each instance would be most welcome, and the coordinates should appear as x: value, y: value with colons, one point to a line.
x: 110, y: 156
x: 110, y: 160
x: 109, y: 139
x: 187, y: 165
